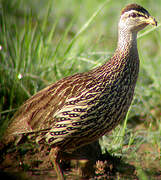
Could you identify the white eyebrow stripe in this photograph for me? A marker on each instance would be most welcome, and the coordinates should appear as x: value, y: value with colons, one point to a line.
x: 136, y: 12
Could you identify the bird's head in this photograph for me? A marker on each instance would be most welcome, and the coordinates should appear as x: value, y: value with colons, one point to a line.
x: 135, y: 18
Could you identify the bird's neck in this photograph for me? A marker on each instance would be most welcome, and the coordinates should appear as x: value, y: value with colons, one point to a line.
x: 124, y: 59
x: 127, y: 41
x: 126, y: 53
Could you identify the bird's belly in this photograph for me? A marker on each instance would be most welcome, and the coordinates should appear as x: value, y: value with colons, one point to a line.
x: 94, y: 122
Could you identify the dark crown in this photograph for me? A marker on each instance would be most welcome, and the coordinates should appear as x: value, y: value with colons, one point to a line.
x: 134, y: 7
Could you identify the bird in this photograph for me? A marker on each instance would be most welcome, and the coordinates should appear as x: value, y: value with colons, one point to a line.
x: 79, y: 109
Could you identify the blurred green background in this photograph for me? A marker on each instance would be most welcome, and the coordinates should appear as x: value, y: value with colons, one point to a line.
x: 42, y: 41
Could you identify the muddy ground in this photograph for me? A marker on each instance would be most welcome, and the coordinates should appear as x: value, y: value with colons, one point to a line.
x: 28, y: 162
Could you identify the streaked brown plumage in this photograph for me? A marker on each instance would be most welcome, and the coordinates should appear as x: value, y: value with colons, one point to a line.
x: 81, y: 108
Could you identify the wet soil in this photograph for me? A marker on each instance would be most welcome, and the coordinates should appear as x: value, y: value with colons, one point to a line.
x: 30, y: 162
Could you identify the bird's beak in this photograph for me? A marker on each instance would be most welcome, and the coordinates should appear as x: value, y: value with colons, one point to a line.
x: 151, y: 21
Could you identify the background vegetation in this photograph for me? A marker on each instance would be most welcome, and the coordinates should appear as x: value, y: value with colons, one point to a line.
x: 43, y: 41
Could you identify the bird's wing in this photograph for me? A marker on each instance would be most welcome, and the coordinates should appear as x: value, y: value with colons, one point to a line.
x: 47, y: 108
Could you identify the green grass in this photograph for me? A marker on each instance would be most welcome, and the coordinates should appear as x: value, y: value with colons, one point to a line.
x: 41, y: 43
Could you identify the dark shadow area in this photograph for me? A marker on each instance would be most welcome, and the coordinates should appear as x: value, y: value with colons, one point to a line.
x: 28, y: 162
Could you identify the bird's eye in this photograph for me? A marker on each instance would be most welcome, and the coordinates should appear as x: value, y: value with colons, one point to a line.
x: 133, y: 15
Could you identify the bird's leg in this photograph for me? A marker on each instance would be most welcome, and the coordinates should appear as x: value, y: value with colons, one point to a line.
x: 55, y: 157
